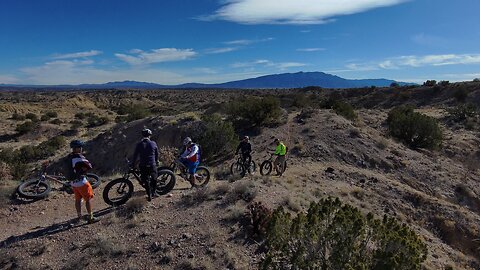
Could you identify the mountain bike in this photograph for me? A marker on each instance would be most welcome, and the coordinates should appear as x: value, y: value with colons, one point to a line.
x: 119, y: 191
x: 267, y: 166
x: 202, y: 175
x: 242, y: 166
x: 40, y: 187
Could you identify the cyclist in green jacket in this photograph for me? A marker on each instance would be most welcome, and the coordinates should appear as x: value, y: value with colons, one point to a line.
x: 280, y: 152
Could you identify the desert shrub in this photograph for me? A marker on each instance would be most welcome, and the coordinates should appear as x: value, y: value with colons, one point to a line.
x: 255, y: 111
x: 18, y: 159
x: 17, y: 117
x: 95, y: 121
x: 476, y: 80
x: 258, y: 217
x: 26, y: 127
x: 128, y: 113
x: 80, y: 115
x: 332, y: 235
x: 215, y: 136
x: 241, y: 191
x: 430, y: 83
x: 31, y: 116
x: 462, y: 112
x: 56, y: 121
x: 414, y: 129
x: 344, y: 109
x: 301, y: 100
x: 461, y: 95
x: 75, y: 124
x: 444, y: 83
x: 48, y: 115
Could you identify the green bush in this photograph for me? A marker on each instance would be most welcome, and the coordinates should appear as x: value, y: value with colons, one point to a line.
x: 461, y: 95
x: 26, y: 127
x: 444, y: 83
x: 255, y: 111
x: 216, y: 137
x: 17, y: 117
x: 462, y: 112
x: 394, y: 84
x: 48, y: 115
x: 430, y: 83
x: 131, y: 112
x: 345, y: 109
x: 32, y: 117
x: 18, y: 159
x: 80, y: 115
x: 95, y: 121
x: 332, y: 235
x: 414, y: 129
x: 75, y: 124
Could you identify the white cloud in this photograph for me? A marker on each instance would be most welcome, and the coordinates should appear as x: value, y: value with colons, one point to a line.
x: 139, y: 57
x: 244, y: 42
x: 77, y: 55
x: 268, y: 63
x: 414, y: 61
x: 310, y: 49
x: 8, y: 79
x: 293, y: 11
x: 221, y: 50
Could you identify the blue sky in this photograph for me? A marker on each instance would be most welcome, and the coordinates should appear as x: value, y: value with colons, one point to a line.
x: 211, y: 41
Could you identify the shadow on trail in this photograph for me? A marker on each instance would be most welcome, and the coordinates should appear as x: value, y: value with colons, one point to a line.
x: 52, y: 229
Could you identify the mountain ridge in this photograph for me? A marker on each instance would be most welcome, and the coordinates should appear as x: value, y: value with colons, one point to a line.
x: 282, y: 80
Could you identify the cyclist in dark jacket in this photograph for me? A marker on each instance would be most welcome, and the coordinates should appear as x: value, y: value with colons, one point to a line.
x: 245, y: 147
x: 146, y: 152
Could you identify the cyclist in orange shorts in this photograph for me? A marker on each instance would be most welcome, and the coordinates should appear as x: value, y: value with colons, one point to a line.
x: 78, y: 167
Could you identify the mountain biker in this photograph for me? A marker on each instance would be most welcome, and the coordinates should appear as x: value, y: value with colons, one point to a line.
x: 280, y: 152
x: 147, y: 152
x: 77, y: 169
x: 245, y: 147
x: 190, y: 158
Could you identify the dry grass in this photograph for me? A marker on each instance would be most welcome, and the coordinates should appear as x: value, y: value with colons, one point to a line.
x: 235, y: 213
x: 291, y: 204
x: 242, y: 190
x: 133, y: 207
x: 103, y: 245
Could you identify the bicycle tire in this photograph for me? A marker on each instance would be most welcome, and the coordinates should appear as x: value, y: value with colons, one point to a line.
x: 163, y: 188
x: 94, y: 180
x: 205, y: 174
x: 237, y: 169
x: 125, y: 194
x: 266, y: 167
x: 23, y: 188
x: 252, y: 168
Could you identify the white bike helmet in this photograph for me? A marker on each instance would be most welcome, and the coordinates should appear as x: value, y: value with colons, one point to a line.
x: 187, y: 141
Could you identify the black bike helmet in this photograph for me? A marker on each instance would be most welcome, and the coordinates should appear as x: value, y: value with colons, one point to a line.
x: 146, y: 132
x: 76, y: 144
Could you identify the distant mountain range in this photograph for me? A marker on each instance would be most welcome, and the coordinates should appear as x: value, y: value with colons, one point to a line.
x: 284, y: 80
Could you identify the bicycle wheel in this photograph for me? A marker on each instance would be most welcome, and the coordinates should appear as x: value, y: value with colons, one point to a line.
x: 165, y: 182
x: 202, y: 176
x: 237, y: 169
x: 252, y: 167
x: 118, y: 191
x: 93, y: 179
x: 266, y: 167
x: 34, y: 189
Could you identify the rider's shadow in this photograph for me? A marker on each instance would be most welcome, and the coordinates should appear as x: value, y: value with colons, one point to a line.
x: 52, y: 229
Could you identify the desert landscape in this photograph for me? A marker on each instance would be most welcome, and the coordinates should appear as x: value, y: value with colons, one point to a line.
x: 363, y: 146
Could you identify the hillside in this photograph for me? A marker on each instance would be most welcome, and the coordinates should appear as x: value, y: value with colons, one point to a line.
x: 435, y: 192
